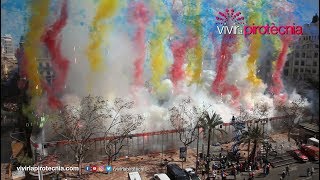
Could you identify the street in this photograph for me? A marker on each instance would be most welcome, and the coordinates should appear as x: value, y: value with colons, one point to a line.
x: 297, y: 171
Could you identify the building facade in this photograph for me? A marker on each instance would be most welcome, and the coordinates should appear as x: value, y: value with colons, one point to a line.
x: 303, y: 60
x: 8, y: 60
x: 44, y: 62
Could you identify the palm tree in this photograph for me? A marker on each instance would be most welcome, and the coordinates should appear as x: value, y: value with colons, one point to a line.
x: 253, y: 134
x: 209, y: 123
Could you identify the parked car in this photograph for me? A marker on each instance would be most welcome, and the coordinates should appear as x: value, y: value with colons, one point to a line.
x: 313, y: 141
x: 192, y: 174
x: 134, y: 176
x: 161, y: 176
x: 311, y: 151
x: 299, y: 156
x: 174, y: 172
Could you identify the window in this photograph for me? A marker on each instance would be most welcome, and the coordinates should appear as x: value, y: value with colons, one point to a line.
x: 301, y: 70
x: 296, y: 70
x: 308, y: 71
x: 303, y: 55
x: 286, y: 72
x: 297, y: 55
x: 316, y: 55
x: 317, y: 46
x: 309, y: 55
x: 302, y: 63
x: 315, y: 63
x: 296, y: 63
x: 287, y: 64
x: 314, y: 71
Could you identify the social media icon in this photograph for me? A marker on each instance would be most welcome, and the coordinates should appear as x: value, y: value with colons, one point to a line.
x: 108, y: 168
x: 100, y: 168
x: 87, y: 168
x: 94, y: 168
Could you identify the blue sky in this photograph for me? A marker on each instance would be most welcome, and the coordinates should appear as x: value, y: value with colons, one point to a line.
x: 14, y: 13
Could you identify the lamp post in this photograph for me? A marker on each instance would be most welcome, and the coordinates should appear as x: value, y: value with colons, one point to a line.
x: 197, y: 159
x: 264, y: 122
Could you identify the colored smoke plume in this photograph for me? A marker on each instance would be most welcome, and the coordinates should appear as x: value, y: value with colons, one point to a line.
x: 59, y: 63
x: 255, y: 45
x: 106, y: 9
x: 32, y: 43
x: 224, y: 57
x: 139, y: 16
x: 277, y: 87
x: 179, y: 49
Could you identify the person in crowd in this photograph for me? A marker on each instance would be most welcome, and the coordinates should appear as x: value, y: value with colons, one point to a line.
x: 268, y: 168
x: 308, y: 172
x: 283, y: 174
x: 312, y: 170
x: 287, y: 170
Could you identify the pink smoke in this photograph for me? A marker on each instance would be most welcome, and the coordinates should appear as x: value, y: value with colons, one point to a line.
x: 224, y: 56
x: 59, y: 63
x: 277, y: 84
x: 140, y: 16
x: 179, y: 50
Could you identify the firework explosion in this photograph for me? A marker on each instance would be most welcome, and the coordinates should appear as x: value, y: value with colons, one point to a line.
x: 158, y: 47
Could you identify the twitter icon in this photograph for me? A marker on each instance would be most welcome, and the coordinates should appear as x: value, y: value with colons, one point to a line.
x: 108, y: 168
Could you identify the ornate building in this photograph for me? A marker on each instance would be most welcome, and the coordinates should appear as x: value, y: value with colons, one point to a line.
x: 44, y: 62
x: 303, y: 61
x: 8, y: 59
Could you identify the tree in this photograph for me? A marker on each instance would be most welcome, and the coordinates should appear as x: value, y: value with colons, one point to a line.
x: 261, y: 110
x: 184, y: 118
x: 210, y: 123
x: 78, y: 124
x: 245, y: 117
x: 294, y: 111
x: 253, y: 134
x: 121, y: 122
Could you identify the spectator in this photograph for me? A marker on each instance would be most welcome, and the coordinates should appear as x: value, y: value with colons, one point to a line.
x: 214, y: 174
x: 312, y: 170
x: 308, y: 172
x: 251, y: 175
x: 283, y: 174
x: 287, y: 170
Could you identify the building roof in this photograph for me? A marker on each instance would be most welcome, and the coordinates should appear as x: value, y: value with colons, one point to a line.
x: 310, y: 126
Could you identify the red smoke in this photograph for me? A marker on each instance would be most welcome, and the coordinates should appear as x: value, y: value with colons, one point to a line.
x: 277, y: 84
x: 59, y: 63
x: 179, y: 50
x: 224, y: 56
x: 140, y: 17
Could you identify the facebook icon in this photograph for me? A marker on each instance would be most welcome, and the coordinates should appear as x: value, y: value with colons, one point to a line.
x: 87, y: 168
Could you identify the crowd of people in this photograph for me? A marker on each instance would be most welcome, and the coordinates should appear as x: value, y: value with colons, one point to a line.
x: 224, y: 167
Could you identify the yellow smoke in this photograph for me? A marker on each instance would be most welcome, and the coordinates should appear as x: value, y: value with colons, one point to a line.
x: 194, y: 67
x: 255, y: 45
x: 32, y: 45
x: 106, y: 9
x: 157, y: 49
